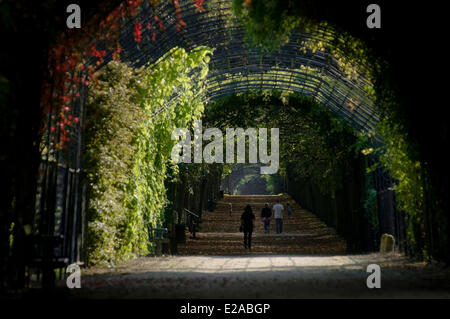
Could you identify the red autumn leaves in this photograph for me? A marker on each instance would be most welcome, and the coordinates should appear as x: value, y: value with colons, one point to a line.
x: 180, y: 22
x: 60, y: 94
x: 69, y: 70
x: 199, y: 5
x: 137, y: 32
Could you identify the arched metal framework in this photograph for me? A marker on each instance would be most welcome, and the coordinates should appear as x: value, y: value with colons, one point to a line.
x: 236, y: 66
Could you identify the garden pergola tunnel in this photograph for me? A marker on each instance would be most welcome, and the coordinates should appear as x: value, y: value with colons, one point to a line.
x: 236, y: 66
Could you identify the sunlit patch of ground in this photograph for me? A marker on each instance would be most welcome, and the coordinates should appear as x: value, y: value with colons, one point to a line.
x: 264, y: 276
x: 308, y: 260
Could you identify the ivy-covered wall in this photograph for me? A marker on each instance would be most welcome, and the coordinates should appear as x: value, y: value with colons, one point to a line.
x: 130, y: 117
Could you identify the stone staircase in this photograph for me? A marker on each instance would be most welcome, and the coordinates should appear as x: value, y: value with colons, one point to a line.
x: 303, y: 232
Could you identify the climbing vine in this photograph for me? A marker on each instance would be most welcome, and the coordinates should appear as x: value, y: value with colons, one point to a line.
x: 395, y: 154
x: 312, y: 140
x: 269, y: 24
x: 131, y: 115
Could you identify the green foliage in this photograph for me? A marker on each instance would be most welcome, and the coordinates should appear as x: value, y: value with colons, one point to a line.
x: 370, y: 204
x: 226, y: 170
x: 11, y: 236
x: 264, y: 183
x: 314, y: 144
x: 318, y: 147
x: 192, y: 173
x: 269, y: 23
x: 396, y: 155
x: 131, y: 115
x: 273, y: 183
x: 243, y: 181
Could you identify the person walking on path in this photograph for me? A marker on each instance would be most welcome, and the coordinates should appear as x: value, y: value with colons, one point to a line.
x: 266, y: 213
x: 247, y: 219
x: 230, y: 211
x: 278, y: 215
x: 289, y: 209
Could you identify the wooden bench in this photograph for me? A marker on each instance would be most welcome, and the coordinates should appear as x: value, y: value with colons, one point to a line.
x: 159, y: 236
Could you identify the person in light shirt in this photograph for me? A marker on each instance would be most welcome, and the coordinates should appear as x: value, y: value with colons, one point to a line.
x: 278, y: 215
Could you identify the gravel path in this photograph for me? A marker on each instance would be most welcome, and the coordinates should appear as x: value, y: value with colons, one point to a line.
x: 308, y: 260
x: 264, y: 276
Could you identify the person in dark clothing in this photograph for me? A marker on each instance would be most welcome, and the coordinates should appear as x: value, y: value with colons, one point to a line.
x: 289, y: 209
x: 247, y: 219
x: 266, y: 213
